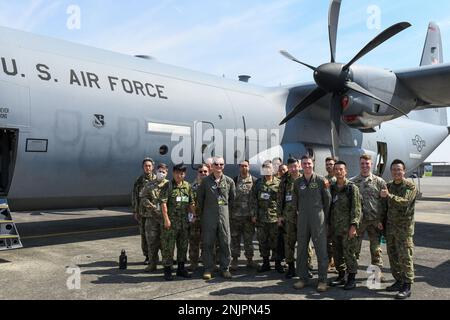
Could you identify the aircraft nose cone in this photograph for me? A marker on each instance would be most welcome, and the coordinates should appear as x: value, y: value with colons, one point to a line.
x: 330, y: 77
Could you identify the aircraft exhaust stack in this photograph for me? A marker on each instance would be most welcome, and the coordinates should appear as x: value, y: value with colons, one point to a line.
x: 244, y: 78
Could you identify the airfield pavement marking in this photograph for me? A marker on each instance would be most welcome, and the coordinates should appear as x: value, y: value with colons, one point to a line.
x: 52, y: 235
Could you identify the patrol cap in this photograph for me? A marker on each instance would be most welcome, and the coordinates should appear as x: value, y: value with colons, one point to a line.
x: 342, y: 163
x: 180, y: 167
x: 148, y: 159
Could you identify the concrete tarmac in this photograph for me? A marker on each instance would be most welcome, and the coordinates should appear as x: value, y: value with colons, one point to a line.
x: 62, y: 245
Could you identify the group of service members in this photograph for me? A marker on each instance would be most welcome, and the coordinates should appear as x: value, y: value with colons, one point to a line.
x: 289, y: 206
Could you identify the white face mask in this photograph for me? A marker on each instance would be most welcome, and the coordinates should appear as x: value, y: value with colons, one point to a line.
x: 160, y: 176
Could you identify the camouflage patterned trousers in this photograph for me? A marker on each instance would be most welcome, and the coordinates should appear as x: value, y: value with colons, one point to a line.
x: 400, y: 248
x: 152, y: 228
x: 144, y: 244
x: 267, y: 238
x: 290, y: 239
x: 242, y: 227
x: 374, y: 237
x: 195, y: 238
x: 178, y: 236
x: 345, y: 251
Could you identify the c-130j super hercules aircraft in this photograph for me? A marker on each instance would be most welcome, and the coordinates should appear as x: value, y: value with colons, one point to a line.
x: 76, y: 121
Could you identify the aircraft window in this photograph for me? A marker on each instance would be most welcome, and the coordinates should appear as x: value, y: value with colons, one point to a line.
x: 163, y: 150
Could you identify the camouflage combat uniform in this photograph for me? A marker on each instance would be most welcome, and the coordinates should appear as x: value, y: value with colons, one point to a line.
x: 345, y: 212
x: 330, y: 247
x: 289, y: 214
x: 372, y: 208
x: 400, y: 229
x: 152, y: 216
x: 241, y: 219
x: 178, y: 199
x: 265, y: 208
x: 136, y: 205
x: 195, y: 231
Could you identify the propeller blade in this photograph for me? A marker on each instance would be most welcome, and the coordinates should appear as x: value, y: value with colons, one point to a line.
x: 356, y: 87
x: 287, y: 55
x: 378, y: 40
x: 335, y: 122
x: 307, y: 102
x: 333, y: 21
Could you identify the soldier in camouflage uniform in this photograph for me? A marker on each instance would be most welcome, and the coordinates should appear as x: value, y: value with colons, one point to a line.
x: 345, y: 216
x: 370, y: 187
x: 151, y: 212
x: 241, y: 223
x: 177, y: 203
x: 147, y: 165
x: 265, y: 212
x: 195, y: 234
x: 329, y: 165
x: 400, y: 196
x: 215, y: 198
x: 312, y: 199
x: 289, y: 214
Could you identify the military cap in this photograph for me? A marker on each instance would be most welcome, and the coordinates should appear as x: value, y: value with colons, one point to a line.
x: 180, y: 167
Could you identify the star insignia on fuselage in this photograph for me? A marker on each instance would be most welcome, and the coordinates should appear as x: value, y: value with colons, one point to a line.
x: 419, y: 143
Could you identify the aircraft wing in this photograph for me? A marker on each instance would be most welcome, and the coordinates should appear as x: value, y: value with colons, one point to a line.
x: 431, y: 84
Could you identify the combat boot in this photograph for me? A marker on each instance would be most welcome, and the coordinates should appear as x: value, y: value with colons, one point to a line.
x: 168, y: 274
x: 151, y: 267
x: 405, y: 292
x: 351, y: 282
x: 322, y: 287
x: 291, y: 271
x: 147, y: 260
x: 207, y: 276
x: 182, y: 272
x: 396, y: 287
x: 265, y: 266
x: 339, y: 281
x: 279, y: 267
x: 226, y: 275
x: 193, y: 267
x: 300, y: 285
x: 251, y: 264
x: 234, y: 264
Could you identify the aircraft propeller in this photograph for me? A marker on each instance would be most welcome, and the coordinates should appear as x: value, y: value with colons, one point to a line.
x: 335, y: 78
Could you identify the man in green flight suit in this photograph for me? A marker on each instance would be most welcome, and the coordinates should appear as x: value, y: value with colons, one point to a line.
x: 215, y: 198
x: 312, y: 199
x: 345, y: 217
x: 176, y: 203
x: 400, y: 196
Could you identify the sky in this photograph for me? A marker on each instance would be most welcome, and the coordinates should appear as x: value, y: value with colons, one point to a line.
x: 230, y: 38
